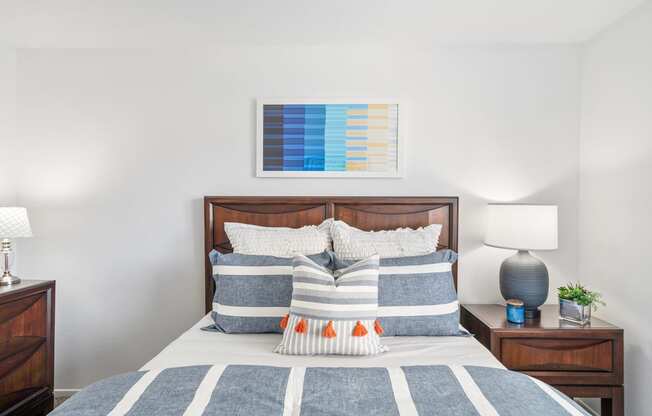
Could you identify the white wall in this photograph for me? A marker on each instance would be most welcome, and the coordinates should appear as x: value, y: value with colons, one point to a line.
x: 119, y: 146
x: 7, y: 123
x: 616, y: 189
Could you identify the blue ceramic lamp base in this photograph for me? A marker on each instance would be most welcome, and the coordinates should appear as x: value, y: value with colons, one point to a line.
x: 524, y: 277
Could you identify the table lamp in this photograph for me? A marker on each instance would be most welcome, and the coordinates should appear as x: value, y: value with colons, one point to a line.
x: 523, y: 227
x: 13, y: 224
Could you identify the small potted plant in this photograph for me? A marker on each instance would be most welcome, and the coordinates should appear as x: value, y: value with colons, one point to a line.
x: 576, y: 303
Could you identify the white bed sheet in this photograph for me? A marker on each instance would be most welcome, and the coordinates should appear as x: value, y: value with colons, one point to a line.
x: 197, y: 347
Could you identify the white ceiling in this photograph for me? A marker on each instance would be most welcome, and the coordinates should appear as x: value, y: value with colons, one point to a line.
x: 134, y: 23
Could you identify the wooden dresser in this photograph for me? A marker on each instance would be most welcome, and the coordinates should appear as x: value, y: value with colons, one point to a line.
x: 27, y: 348
x: 581, y: 361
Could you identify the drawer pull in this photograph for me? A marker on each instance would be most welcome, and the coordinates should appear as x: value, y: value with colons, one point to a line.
x: 537, y: 354
x: 576, y: 346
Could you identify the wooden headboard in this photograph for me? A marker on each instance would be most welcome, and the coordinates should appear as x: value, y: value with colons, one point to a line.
x: 366, y: 213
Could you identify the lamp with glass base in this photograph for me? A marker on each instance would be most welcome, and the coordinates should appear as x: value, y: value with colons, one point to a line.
x: 13, y: 224
x: 523, y: 227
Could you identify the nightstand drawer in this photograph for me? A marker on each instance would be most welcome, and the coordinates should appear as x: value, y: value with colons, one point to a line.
x: 24, y: 317
x: 542, y: 354
x: 26, y: 348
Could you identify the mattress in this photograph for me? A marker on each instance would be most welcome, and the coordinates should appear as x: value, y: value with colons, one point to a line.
x: 198, y: 347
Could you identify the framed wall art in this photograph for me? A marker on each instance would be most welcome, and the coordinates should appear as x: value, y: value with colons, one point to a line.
x: 329, y: 138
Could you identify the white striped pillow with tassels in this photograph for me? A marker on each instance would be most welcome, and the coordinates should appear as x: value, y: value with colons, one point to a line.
x: 332, y: 314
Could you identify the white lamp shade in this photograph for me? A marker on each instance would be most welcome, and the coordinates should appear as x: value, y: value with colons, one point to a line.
x: 522, y: 227
x: 14, y: 223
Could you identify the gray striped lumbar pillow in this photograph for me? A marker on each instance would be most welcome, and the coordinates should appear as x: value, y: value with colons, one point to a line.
x: 416, y: 295
x: 329, y: 316
x: 253, y: 293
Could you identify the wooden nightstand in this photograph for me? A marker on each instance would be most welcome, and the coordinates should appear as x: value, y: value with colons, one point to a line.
x: 26, y: 348
x: 580, y: 361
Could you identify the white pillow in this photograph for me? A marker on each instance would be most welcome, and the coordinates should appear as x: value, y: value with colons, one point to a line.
x: 279, y: 241
x: 351, y: 243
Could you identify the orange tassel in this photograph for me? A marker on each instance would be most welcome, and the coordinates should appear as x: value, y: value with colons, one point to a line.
x: 378, y: 328
x: 284, y: 321
x: 329, y: 332
x: 359, y: 330
x: 301, y: 327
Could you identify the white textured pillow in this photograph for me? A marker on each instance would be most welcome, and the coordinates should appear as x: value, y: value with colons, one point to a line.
x: 351, y: 243
x: 279, y: 241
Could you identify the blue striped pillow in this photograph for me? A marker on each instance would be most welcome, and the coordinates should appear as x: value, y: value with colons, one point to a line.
x: 253, y: 293
x: 329, y: 316
x: 416, y: 295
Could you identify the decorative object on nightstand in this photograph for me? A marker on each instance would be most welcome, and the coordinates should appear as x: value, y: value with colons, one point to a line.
x: 581, y: 361
x: 576, y: 303
x: 523, y: 227
x: 13, y: 224
x: 27, y: 348
x: 515, y: 310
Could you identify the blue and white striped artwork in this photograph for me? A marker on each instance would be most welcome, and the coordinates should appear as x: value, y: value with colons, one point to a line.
x: 344, y: 138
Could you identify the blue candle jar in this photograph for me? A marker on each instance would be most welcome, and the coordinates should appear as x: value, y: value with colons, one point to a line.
x: 515, y: 311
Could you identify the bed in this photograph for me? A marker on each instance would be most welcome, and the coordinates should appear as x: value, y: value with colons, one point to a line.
x: 205, y: 373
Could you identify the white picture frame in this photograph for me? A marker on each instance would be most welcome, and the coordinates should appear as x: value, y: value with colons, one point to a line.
x: 397, y: 172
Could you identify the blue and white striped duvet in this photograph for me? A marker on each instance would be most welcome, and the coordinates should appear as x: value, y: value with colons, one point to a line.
x: 283, y: 391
